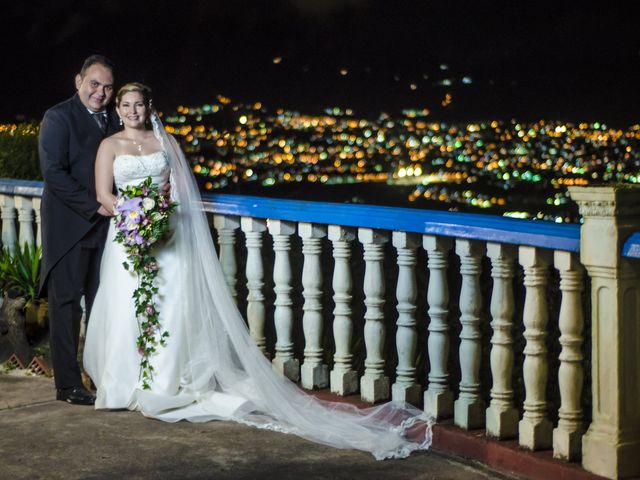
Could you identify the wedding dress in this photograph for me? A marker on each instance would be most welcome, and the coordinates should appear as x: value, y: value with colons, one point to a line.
x: 210, y: 368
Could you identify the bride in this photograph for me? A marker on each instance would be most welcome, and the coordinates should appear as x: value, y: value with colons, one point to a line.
x: 209, y: 368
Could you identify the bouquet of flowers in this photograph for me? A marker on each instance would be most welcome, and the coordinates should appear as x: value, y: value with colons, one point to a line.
x: 142, y: 215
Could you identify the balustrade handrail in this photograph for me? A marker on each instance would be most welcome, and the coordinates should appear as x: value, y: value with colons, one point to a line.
x: 631, y: 247
x: 433, y: 222
x: 29, y: 188
x: 452, y: 224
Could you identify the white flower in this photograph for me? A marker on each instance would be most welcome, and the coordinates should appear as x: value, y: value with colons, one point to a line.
x: 148, y: 204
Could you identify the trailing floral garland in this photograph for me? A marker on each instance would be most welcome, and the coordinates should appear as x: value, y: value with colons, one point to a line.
x: 142, y: 215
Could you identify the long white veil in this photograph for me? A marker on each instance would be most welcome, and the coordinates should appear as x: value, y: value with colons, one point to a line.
x: 223, y: 359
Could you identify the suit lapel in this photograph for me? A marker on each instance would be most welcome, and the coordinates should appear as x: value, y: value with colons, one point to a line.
x: 89, y: 125
x: 85, y: 124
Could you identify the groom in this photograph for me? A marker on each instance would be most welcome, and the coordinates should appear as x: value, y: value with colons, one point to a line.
x: 74, y: 224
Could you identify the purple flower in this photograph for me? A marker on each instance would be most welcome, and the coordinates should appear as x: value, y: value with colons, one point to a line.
x: 130, y: 204
x: 134, y: 216
x: 150, y: 309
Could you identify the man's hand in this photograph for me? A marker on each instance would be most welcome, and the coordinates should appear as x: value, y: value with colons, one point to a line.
x: 104, y: 212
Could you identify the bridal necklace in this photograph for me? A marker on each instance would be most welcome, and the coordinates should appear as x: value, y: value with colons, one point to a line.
x: 137, y: 144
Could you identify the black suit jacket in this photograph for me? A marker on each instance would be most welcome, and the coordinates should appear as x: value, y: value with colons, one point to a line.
x: 68, y: 142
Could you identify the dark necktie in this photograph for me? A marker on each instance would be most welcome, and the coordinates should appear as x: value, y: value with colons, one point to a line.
x: 101, y: 120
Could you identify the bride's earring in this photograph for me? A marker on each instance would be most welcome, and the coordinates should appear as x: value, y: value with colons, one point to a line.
x: 121, y: 122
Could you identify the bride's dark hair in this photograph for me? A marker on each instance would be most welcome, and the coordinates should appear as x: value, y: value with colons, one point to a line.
x: 135, y: 87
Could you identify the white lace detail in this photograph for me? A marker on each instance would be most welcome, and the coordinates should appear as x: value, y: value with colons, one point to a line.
x: 129, y: 169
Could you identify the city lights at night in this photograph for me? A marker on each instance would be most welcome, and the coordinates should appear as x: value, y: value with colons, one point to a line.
x: 433, y: 105
x: 508, y: 168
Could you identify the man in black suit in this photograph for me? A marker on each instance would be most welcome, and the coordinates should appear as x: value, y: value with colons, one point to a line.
x: 74, y: 224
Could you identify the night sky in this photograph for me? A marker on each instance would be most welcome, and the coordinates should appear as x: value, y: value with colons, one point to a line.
x: 522, y: 60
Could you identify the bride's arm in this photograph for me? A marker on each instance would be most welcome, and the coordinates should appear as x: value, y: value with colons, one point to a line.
x: 104, y: 177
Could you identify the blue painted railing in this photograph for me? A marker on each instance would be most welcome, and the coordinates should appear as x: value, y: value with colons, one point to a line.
x: 461, y: 225
x: 28, y: 188
x: 631, y: 247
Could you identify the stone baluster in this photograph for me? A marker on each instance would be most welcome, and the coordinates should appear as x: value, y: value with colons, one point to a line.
x: 37, y: 201
x: 314, y: 373
x: 343, y: 379
x: 8, y: 215
x: 374, y: 385
x: 25, y: 220
x: 284, y: 361
x: 611, y: 446
x: 405, y: 387
x: 253, y: 229
x: 226, y: 228
x: 469, y: 407
x: 501, y: 416
x: 535, y: 429
x: 438, y: 398
x: 567, y: 437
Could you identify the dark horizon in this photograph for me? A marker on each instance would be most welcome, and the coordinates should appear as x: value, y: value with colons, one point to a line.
x: 539, y: 61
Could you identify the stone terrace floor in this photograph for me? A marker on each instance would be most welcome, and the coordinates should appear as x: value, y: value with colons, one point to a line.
x: 44, y: 438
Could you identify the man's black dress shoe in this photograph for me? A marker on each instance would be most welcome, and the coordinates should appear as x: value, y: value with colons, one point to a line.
x: 76, y: 396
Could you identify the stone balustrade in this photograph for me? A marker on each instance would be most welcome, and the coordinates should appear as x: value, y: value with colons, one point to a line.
x: 475, y: 318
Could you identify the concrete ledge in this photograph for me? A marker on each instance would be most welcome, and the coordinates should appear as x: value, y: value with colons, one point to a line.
x: 505, y: 456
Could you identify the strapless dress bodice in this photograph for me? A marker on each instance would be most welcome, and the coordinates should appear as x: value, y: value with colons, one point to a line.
x: 133, y: 169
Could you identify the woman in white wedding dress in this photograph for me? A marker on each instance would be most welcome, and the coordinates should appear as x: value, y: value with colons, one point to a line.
x: 210, y: 368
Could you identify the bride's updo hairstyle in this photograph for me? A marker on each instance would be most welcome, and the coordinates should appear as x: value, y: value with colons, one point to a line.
x: 135, y: 87
x: 146, y: 97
